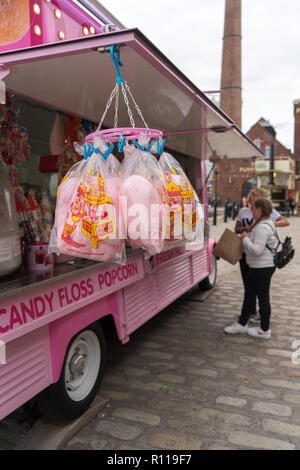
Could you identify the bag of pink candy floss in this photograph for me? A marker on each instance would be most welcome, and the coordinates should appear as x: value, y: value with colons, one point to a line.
x: 142, y: 189
x: 87, y: 222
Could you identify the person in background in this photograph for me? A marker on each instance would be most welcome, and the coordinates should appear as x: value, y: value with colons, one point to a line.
x: 292, y: 204
x: 235, y: 210
x: 244, y: 223
x: 257, y: 245
x: 287, y: 208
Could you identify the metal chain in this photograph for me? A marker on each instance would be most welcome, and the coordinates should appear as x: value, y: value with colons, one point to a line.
x: 117, y: 106
x: 116, y: 95
x: 127, y: 104
x: 136, y: 105
x: 108, y: 105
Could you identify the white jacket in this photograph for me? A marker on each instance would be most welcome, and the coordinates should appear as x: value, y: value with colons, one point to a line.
x: 255, y: 246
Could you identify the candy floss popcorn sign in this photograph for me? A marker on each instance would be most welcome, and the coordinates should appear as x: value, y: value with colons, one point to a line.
x: 65, y: 297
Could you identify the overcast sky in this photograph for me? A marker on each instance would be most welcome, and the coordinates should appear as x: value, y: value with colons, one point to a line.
x: 190, y: 34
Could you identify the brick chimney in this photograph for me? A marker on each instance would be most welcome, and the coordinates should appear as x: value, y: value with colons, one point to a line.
x: 231, y: 84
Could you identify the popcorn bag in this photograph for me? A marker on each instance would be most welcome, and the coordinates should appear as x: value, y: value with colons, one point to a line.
x: 180, y: 201
x: 87, y: 223
x: 142, y: 189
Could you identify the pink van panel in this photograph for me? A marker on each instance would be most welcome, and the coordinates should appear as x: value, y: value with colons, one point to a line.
x: 168, y: 281
x: 201, y: 265
x: 27, y: 371
x: 140, y: 303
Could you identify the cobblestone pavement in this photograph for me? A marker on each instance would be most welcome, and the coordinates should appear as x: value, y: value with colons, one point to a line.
x: 182, y: 384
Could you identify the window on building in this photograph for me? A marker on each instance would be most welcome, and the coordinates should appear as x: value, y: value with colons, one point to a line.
x: 257, y: 143
x: 267, y: 152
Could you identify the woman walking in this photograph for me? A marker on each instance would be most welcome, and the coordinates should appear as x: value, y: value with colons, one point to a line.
x: 258, y: 244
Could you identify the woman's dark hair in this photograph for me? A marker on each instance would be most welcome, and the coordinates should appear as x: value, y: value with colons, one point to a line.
x: 266, y: 208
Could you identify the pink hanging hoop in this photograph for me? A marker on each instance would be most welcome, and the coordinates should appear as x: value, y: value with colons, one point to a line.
x: 132, y: 133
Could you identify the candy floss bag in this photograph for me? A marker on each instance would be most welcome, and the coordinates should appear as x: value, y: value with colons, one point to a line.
x: 142, y: 194
x: 181, y: 205
x: 87, y: 223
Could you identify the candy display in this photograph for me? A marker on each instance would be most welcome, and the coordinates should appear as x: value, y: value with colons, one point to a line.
x: 14, y: 147
x: 76, y: 130
x: 36, y: 218
x: 10, y: 248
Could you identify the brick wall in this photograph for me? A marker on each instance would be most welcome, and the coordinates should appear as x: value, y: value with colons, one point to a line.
x: 261, y: 133
x: 233, y: 173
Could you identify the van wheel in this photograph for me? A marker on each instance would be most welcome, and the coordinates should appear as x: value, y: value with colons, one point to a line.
x: 80, y: 378
x: 210, y: 281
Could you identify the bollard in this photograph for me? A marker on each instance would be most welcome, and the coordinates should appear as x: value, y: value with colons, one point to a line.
x: 215, y: 212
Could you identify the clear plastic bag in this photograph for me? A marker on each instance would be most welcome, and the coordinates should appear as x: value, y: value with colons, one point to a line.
x: 142, y: 190
x: 180, y: 201
x: 197, y: 242
x: 87, y: 221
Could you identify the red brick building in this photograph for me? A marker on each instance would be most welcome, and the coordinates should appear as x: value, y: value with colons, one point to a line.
x: 238, y: 176
x: 263, y: 134
x: 235, y: 179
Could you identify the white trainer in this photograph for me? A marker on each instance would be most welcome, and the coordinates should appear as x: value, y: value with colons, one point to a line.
x: 259, y: 333
x: 235, y: 329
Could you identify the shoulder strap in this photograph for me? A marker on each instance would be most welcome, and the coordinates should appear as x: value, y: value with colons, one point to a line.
x: 273, y: 250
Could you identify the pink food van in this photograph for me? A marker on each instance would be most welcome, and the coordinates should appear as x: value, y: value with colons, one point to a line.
x: 53, y: 322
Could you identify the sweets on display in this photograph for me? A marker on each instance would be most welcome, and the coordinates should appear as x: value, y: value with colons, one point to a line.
x: 35, y: 218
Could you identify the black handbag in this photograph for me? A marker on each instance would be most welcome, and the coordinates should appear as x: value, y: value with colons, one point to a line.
x: 286, y: 254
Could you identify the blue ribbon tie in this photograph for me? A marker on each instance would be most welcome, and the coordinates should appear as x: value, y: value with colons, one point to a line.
x: 106, y: 154
x: 138, y: 145
x: 115, y: 55
x: 89, y: 150
x: 122, y: 141
x: 160, y: 147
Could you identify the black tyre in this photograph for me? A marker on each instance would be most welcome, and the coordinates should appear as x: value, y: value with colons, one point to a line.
x: 210, y: 281
x: 80, y: 378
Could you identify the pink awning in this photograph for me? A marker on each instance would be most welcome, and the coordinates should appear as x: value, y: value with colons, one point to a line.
x: 76, y: 77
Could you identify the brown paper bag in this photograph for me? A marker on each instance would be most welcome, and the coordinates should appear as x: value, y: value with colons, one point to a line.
x: 229, y: 247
